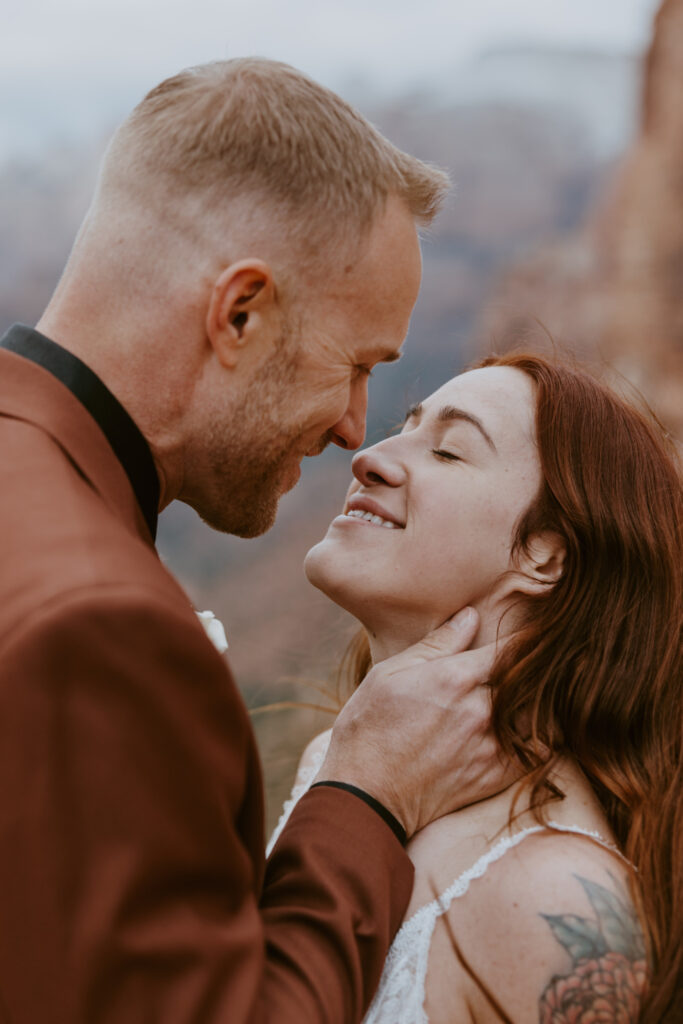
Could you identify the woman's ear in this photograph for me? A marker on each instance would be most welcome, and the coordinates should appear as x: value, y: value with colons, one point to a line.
x: 540, y: 563
x: 242, y: 310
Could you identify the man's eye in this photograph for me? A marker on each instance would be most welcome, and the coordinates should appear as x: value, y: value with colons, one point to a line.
x: 448, y: 456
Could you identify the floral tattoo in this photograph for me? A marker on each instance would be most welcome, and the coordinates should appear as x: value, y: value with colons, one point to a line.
x: 609, y: 971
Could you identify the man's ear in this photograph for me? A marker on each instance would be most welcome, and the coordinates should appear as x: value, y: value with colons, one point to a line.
x: 540, y: 564
x: 242, y: 310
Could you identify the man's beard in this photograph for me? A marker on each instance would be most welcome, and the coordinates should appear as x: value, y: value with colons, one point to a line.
x: 251, y: 457
x: 254, y: 482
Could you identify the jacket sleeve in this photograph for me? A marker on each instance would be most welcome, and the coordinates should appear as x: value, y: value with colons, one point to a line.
x: 131, y: 832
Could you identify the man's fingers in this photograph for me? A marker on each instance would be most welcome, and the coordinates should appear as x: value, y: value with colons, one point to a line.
x: 460, y: 673
x: 450, y: 638
x: 455, y: 682
x: 447, y: 679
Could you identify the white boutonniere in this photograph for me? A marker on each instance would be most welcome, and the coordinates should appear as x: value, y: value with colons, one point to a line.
x: 213, y: 628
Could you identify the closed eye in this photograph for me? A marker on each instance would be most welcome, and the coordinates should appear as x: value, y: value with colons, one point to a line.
x: 448, y: 456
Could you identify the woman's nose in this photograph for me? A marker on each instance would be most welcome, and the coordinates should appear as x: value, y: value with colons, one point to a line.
x: 379, y: 465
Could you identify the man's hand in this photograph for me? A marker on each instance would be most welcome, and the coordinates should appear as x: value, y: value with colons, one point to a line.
x: 416, y: 734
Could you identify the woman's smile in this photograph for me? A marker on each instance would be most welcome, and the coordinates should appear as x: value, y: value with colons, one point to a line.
x: 364, y: 509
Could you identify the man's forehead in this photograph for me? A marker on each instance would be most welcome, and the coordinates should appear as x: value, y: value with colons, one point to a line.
x: 387, y: 267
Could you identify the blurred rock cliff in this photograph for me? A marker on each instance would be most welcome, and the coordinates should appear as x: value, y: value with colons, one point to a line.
x: 613, y: 290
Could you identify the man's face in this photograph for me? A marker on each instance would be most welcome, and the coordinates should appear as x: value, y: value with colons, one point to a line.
x: 313, y: 391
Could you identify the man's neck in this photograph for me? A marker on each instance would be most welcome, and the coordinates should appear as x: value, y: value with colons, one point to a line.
x: 125, y: 362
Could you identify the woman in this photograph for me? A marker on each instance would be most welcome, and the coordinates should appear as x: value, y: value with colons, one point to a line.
x: 533, y: 493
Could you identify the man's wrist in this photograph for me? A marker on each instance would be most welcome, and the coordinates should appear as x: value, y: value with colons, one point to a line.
x: 379, y: 808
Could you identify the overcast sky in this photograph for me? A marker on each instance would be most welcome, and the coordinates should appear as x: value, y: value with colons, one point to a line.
x: 69, y: 66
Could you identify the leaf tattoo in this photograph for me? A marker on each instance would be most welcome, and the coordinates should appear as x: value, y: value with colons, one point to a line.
x: 609, y: 967
x: 579, y: 936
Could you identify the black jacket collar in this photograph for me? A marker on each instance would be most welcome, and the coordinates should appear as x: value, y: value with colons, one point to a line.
x: 126, y: 440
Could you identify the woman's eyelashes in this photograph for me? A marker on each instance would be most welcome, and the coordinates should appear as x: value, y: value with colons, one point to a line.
x: 446, y: 456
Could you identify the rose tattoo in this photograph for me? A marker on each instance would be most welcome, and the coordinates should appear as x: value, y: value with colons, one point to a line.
x: 609, y: 970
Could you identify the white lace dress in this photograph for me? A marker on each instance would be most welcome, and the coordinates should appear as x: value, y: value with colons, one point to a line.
x: 400, y: 996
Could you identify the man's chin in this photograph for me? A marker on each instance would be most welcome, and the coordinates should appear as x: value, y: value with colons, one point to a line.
x: 257, y: 510
x: 255, y: 526
x: 254, y: 529
x: 249, y: 522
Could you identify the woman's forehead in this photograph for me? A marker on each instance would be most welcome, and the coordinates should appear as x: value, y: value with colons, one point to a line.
x: 502, y: 396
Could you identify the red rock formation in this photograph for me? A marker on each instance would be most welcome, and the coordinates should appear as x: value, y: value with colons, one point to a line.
x: 614, y: 291
x: 644, y: 322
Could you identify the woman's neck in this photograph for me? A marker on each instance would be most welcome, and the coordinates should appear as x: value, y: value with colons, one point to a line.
x: 394, y: 635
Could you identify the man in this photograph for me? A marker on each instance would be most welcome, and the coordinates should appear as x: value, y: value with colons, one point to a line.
x: 250, y: 254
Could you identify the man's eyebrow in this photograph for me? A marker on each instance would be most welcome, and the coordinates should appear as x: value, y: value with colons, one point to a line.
x: 449, y: 413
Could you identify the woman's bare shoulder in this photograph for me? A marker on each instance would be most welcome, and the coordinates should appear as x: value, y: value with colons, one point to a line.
x: 548, y: 932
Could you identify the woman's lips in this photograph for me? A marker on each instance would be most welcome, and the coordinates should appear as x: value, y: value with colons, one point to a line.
x: 361, y: 503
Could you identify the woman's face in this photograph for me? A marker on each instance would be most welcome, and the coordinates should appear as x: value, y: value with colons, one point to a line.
x: 453, y: 485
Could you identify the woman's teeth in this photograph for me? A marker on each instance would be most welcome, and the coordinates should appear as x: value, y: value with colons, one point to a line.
x: 357, y: 513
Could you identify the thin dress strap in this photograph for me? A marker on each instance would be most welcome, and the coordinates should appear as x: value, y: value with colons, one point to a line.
x: 401, y: 992
x: 461, y: 884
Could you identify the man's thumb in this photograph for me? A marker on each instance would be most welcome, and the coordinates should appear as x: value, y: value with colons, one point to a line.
x: 455, y: 635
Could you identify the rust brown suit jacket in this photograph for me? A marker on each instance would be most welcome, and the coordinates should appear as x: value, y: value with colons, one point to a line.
x: 133, y: 888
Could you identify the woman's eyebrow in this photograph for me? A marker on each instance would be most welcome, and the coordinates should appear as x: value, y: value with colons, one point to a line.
x: 449, y: 413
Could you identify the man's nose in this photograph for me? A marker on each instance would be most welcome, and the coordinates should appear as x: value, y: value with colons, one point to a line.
x: 349, y: 431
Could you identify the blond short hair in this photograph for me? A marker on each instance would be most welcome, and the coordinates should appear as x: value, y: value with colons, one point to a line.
x: 260, y: 127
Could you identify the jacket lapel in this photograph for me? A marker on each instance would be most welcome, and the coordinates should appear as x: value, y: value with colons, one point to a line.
x: 30, y: 393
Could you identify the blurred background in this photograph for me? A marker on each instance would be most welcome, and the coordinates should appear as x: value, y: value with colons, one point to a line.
x: 561, y: 124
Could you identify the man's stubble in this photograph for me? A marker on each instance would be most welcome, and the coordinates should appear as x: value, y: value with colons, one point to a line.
x: 251, y: 455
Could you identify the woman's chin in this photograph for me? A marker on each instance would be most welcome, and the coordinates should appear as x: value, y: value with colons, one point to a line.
x: 312, y: 565
x: 322, y: 569
x: 336, y: 578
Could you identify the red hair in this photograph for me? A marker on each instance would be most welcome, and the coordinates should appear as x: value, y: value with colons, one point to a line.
x: 594, y: 673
